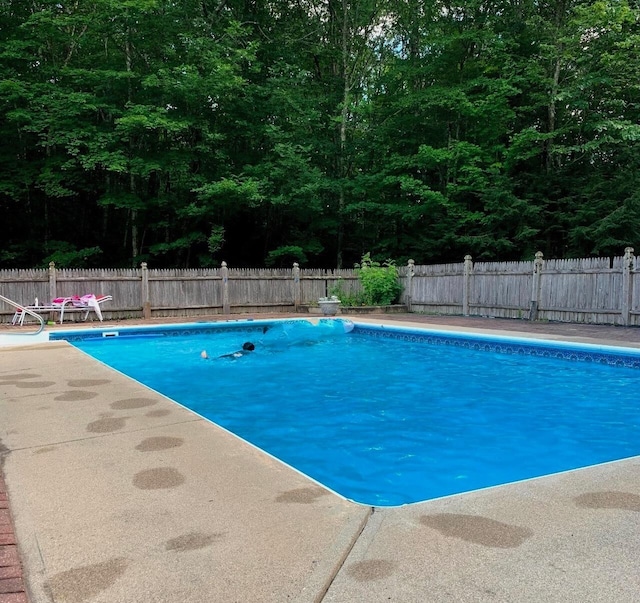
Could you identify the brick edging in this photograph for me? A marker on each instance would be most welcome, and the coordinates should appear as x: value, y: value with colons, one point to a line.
x: 12, y: 588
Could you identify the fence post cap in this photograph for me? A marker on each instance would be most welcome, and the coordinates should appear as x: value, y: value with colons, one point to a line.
x: 296, y: 265
x: 467, y: 258
x: 539, y: 255
x: 628, y: 250
x: 223, y: 264
x: 143, y: 265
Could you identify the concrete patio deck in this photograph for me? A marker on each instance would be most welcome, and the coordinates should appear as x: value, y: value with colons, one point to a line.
x: 120, y: 495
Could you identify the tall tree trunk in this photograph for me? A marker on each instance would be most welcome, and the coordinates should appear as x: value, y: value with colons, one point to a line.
x: 559, y: 24
x: 344, y: 114
x: 133, y: 213
x: 551, y: 114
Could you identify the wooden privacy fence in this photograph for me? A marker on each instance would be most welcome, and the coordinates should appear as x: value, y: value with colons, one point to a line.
x: 591, y: 290
x: 144, y: 292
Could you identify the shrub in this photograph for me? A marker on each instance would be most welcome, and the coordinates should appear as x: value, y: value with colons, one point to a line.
x: 346, y: 299
x: 379, y: 281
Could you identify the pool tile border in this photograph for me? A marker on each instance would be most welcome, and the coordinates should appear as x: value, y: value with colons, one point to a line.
x: 162, y: 331
x: 498, y: 344
x: 206, y: 328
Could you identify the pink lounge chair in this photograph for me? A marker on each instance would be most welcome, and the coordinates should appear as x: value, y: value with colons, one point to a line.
x: 86, y: 303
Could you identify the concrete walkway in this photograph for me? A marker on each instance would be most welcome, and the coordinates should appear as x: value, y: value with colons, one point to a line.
x: 120, y: 495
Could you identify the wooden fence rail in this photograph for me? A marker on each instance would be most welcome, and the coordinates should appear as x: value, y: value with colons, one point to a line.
x: 590, y: 290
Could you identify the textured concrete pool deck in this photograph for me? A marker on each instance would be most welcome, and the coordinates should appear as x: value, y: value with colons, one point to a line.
x: 120, y: 495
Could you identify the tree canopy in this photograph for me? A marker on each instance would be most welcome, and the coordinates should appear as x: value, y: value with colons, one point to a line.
x: 263, y: 133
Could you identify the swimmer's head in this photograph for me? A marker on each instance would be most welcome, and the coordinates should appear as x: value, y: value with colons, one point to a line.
x: 248, y: 346
x: 204, y: 354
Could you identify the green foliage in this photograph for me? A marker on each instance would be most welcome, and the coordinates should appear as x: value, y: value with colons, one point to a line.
x: 347, y: 299
x: 379, y: 281
x: 216, y: 239
x: 285, y: 256
x: 65, y: 255
x: 313, y: 131
x: 184, y: 242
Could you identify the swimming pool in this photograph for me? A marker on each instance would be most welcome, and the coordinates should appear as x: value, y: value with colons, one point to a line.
x: 388, y: 416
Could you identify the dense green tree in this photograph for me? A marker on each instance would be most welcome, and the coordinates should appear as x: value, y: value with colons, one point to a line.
x: 183, y: 133
x: 119, y: 105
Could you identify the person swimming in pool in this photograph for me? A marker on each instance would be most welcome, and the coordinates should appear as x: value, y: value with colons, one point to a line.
x: 247, y: 347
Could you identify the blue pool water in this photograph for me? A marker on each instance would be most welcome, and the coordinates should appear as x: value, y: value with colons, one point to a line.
x: 392, y: 419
